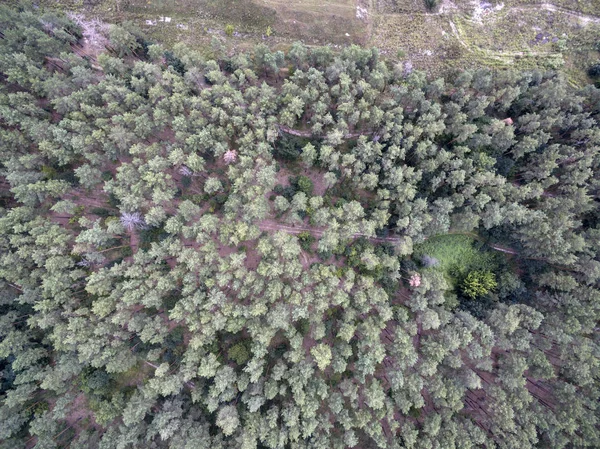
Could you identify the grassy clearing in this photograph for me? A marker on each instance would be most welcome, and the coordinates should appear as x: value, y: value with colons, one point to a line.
x: 426, y: 40
x: 396, y: 7
x: 520, y: 34
x: 457, y: 254
x: 583, y: 6
x: 196, y: 21
x: 242, y: 14
x: 459, y: 34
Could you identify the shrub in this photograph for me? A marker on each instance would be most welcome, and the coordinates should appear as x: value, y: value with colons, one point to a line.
x: 431, y: 4
x: 229, y: 29
x: 96, y: 381
x: 239, y: 353
x: 49, y: 172
x: 303, y: 184
x: 478, y: 283
x: 306, y: 240
x: 303, y: 326
x: 594, y: 70
x: 126, y: 251
x: 408, y: 265
x: 174, y: 62
x: 170, y: 300
x: 113, y: 200
x: 325, y: 255
x: 150, y: 235
x: 77, y: 214
x: 287, y: 192
x: 289, y: 147
x: 101, y: 212
x: 220, y: 199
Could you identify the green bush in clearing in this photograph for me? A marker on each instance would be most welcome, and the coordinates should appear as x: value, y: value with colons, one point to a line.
x: 478, y: 283
x: 306, y: 240
x: 431, y: 4
x: 304, y: 184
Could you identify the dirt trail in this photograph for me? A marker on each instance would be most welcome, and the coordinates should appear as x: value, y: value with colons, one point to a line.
x: 308, y: 133
x: 553, y: 8
x: 451, y: 8
x: 271, y: 225
x: 457, y: 36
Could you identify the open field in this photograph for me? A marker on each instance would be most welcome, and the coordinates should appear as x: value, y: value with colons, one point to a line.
x: 470, y: 34
x: 561, y: 34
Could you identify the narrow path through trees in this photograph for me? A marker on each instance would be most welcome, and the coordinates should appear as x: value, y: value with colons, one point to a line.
x: 272, y: 225
x: 309, y: 133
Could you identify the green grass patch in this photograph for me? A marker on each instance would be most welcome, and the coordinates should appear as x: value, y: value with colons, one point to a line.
x: 455, y: 255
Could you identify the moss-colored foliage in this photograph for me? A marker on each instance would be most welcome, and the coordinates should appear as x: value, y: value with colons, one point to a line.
x: 171, y: 300
x: 106, y: 410
x: 49, y: 172
x: 102, y: 212
x: 344, y: 191
x: 357, y: 257
x: 594, y: 71
x: 113, y: 201
x: 173, y: 347
x: 186, y: 181
x: 77, y: 214
x: 217, y: 201
x: 303, y: 326
x: 196, y: 198
x: 478, y: 283
x: 289, y: 147
x: 303, y: 184
x: 105, y: 397
x: 40, y: 408
x: 287, y: 192
x: 96, y: 381
x: 150, y: 235
x: 126, y: 251
x: 306, y: 240
x: 240, y: 352
x: 175, y: 62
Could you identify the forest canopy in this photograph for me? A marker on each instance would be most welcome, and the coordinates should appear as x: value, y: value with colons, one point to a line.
x: 300, y: 249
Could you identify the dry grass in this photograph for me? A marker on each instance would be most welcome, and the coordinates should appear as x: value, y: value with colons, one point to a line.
x: 465, y: 34
x: 458, y: 34
x: 316, y: 22
x: 583, y: 6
